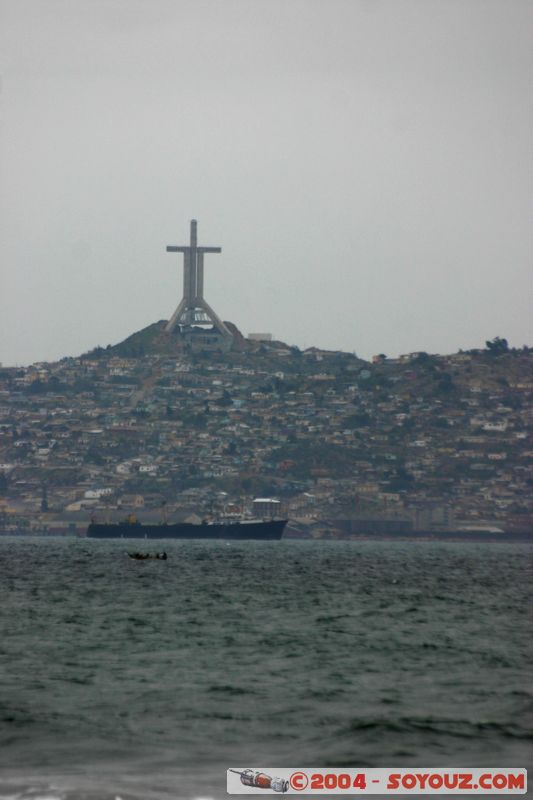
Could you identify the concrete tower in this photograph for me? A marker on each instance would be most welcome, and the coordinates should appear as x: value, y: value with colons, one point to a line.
x: 193, y: 312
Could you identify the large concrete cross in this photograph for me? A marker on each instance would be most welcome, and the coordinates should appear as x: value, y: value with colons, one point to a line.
x: 193, y: 307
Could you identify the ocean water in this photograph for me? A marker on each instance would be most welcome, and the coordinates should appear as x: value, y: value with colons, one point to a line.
x: 146, y: 680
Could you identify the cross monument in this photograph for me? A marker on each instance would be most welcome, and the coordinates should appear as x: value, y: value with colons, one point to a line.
x: 193, y: 308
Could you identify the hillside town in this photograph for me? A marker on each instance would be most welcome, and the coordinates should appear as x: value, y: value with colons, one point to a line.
x: 339, y: 445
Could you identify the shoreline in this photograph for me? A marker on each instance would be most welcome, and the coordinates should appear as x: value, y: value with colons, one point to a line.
x: 415, y: 536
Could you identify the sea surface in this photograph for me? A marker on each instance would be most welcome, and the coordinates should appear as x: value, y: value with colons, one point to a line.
x: 146, y: 680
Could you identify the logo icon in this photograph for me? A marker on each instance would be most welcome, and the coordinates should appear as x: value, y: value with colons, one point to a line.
x: 260, y: 780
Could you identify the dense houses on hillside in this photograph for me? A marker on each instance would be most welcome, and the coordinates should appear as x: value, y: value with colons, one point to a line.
x: 437, y: 440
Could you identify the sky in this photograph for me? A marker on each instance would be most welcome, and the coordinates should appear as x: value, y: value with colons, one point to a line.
x: 365, y: 165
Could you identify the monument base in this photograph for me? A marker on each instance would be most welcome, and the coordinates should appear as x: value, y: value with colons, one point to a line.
x: 197, y: 339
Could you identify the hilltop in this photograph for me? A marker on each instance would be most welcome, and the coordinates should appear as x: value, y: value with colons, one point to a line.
x: 428, y: 440
x: 154, y: 341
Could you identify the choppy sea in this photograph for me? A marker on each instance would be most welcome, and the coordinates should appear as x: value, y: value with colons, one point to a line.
x: 146, y: 680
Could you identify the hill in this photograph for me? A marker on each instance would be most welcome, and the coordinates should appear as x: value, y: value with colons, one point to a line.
x: 153, y: 340
x: 436, y: 440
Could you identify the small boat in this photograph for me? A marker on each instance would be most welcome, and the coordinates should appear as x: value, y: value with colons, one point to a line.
x: 144, y: 556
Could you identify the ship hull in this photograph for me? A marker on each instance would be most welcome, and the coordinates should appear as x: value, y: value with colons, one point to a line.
x: 232, y: 531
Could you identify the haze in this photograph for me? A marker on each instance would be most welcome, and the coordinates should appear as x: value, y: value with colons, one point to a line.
x: 365, y: 165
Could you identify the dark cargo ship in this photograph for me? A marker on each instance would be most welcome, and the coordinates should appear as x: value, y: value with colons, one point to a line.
x: 235, y: 530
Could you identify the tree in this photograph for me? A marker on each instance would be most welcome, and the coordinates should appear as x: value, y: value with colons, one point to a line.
x: 360, y: 420
x: 445, y: 383
x: 37, y: 387
x: 497, y: 346
x: 225, y: 400
x: 402, y: 480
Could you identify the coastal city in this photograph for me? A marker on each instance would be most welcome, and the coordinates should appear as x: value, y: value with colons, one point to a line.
x: 165, y: 428
x: 266, y: 399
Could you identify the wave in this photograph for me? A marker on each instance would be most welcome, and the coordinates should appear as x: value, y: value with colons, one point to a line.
x: 456, y: 728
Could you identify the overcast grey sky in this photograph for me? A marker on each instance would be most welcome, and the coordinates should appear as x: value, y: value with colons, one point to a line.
x: 365, y: 165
